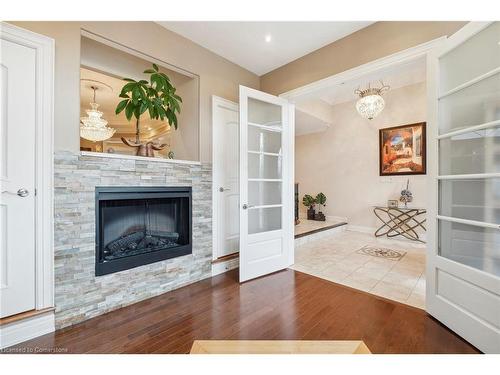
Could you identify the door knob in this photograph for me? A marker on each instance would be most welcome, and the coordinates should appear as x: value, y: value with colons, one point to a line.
x: 246, y: 206
x: 222, y: 189
x: 21, y: 192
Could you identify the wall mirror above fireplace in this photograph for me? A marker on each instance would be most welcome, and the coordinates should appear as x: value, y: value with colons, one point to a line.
x: 103, y: 65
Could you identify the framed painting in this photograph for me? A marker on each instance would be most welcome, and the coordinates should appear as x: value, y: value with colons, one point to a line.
x: 402, y: 150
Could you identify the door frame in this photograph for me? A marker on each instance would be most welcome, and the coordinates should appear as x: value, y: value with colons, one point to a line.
x: 216, y: 215
x: 44, y: 153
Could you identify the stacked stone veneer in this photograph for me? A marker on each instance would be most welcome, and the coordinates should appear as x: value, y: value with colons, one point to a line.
x: 79, y: 294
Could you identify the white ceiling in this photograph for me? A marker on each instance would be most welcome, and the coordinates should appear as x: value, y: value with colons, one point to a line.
x: 396, y: 77
x: 306, y: 123
x: 244, y: 43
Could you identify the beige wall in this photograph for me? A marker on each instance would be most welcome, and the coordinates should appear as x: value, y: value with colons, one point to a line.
x: 342, y: 162
x: 373, y: 42
x: 217, y: 75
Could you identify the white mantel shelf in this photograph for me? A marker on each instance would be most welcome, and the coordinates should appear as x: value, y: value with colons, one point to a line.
x: 141, y: 158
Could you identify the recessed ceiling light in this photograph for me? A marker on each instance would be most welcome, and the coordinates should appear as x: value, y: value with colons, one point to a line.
x: 268, y: 38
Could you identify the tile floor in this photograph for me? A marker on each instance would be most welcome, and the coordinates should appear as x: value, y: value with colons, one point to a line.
x: 335, y: 258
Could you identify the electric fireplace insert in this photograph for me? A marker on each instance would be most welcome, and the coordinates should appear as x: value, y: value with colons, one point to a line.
x: 141, y: 225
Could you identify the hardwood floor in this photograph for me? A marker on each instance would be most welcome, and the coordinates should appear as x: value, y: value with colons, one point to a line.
x: 287, y: 305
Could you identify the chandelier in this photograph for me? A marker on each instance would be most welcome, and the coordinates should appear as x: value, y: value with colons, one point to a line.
x: 370, y: 102
x: 94, y: 127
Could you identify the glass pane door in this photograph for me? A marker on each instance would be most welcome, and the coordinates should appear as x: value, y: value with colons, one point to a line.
x: 266, y: 179
x: 469, y: 152
x: 265, y: 166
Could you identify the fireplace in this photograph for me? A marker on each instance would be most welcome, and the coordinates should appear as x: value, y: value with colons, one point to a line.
x: 141, y: 225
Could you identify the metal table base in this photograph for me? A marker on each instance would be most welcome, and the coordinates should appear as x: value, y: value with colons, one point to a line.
x: 400, y: 221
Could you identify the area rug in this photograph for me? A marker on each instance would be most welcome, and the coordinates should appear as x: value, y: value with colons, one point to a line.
x: 381, y: 252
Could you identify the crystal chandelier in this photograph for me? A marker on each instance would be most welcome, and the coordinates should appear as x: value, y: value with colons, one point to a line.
x: 93, y: 127
x: 370, y: 102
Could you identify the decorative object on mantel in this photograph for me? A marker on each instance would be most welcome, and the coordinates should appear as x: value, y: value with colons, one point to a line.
x: 402, y: 150
x: 370, y: 103
x: 392, y: 203
x: 93, y: 127
x: 406, y: 195
x: 144, y: 148
x: 158, y: 97
x: 321, y: 201
x: 309, y: 202
x: 400, y: 222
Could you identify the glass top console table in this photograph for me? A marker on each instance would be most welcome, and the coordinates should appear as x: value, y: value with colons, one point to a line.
x: 400, y: 221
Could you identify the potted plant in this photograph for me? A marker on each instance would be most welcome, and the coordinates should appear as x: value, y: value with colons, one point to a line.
x: 321, y: 201
x: 158, y: 97
x: 309, y: 202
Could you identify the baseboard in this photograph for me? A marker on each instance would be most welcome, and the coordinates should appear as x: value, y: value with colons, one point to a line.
x: 328, y: 218
x: 318, y: 235
x: 361, y: 229
x: 221, y: 267
x: 26, y: 329
x: 336, y: 218
x: 369, y: 230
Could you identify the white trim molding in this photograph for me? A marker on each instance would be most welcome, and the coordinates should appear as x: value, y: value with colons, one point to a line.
x: 44, y: 266
x: 386, y: 62
x: 26, y: 329
x: 222, y: 267
x: 216, y: 161
x: 361, y: 229
x: 139, y: 158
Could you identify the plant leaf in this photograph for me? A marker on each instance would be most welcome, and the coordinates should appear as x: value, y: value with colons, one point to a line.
x: 128, y: 87
x: 165, y: 76
x: 121, y: 106
x: 135, y: 96
x: 149, y: 71
x: 129, y: 79
x: 155, y: 67
x: 129, y: 110
x: 137, y: 112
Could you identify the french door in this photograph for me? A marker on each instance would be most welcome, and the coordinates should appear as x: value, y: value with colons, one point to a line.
x: 463, y: 270
x: 266, y: 183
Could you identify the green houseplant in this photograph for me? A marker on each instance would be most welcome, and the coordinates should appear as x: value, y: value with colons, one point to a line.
x: 321, y: 201
x: 309, y: 202
x: 156, y: 96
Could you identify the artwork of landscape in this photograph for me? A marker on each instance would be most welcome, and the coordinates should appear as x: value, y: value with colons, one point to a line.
x: 402, y: 150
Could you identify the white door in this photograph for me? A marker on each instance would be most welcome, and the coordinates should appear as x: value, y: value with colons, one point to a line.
x: 266, y: 183
x: 17, y: 170
x: 463, y: 269
x: 225, y: 130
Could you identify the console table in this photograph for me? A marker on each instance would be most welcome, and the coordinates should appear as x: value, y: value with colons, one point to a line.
x: 400, y: 221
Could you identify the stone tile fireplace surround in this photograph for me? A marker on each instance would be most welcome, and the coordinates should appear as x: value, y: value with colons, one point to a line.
x: 79, y: 294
